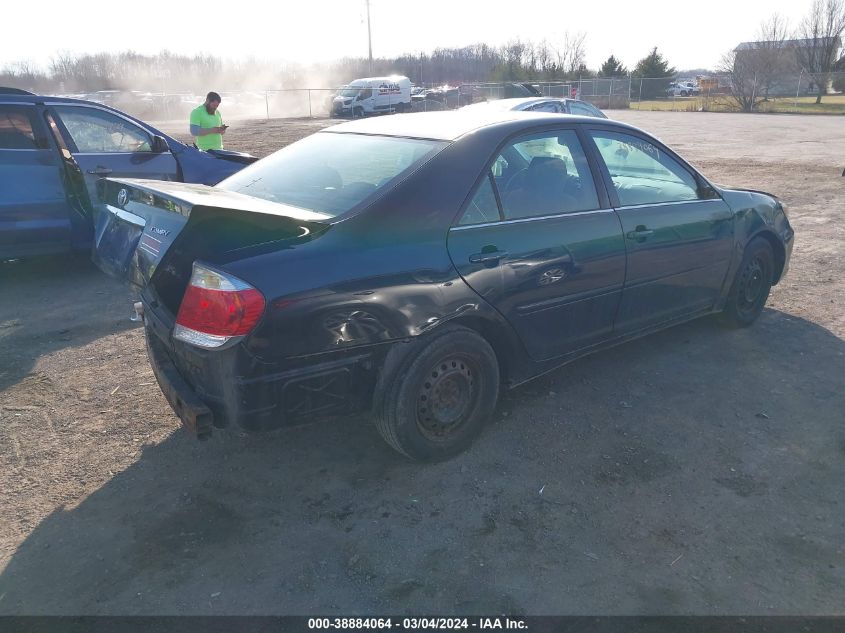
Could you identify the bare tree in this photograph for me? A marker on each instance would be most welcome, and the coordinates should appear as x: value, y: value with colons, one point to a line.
x: 822, y: 30
x: 772, y: 57
x: 571, y: 56
x: 740, y: 66
x: 62, y: 68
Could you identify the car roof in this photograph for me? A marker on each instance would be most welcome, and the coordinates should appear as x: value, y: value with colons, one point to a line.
x: 453, y: 124
x: 33, y: 98
x: 514, y: 103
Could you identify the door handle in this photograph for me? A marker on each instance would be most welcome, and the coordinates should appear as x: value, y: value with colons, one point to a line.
x: 100, y: 171
x: 640, y: 234
x: 486, y: 258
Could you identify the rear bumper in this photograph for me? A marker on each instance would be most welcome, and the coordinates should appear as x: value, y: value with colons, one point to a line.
x: 194, y: 414
x: 219, y: 388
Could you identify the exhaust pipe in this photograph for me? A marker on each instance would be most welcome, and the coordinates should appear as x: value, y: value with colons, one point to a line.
x: 138, y: 312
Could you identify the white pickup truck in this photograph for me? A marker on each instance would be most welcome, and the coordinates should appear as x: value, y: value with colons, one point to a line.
x: 682, y: 89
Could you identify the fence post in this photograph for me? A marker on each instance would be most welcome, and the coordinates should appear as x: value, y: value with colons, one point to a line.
x: 267, y: 103
x: 753, y: 93
x: 641, y: 93
x: 579, y: 86
x: 798, y: 89
x: 310, y: 116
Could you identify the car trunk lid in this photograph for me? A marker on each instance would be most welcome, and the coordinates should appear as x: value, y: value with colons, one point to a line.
x: 141, y: 220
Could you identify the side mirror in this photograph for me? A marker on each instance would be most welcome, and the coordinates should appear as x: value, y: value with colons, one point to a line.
x: 160, y: 145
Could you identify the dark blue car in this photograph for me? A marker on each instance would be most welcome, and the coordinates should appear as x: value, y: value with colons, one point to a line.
x: 53, y: 152
x: 413, y: 265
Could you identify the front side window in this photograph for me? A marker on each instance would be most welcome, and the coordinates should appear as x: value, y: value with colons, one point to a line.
x: 332, y: 173
x: 546, y: 174
x: 19, y: 129
x: 95, y: 131
x: 641, y: 172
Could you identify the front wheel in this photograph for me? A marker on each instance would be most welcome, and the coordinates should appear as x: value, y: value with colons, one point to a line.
x: 357, y: 113
x: 751, y: 286
x: 434, y: 402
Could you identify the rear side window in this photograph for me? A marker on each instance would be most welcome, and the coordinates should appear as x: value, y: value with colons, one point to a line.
x: 585, y: 109
x: 19, y: 128
x: 332, y: 173
x: 95, y: 131
x: 548, y: 174
x: 483, y: 207
x: 641, y: 172
x: 546, y: 106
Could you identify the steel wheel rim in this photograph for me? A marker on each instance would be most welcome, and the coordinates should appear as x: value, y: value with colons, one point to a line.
x: 752, y: 285
x: 446, y: 397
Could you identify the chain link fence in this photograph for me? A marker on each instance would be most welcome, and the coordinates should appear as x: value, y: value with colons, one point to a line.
x: 786, y: 92
x: 794, y: 92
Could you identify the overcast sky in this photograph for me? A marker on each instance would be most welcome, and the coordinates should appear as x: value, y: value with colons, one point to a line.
x: 689, y: 34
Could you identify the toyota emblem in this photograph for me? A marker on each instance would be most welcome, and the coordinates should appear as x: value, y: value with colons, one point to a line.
x: 122, y: 197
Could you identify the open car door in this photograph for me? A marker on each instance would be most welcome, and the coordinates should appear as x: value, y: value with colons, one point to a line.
x: 104, y: 144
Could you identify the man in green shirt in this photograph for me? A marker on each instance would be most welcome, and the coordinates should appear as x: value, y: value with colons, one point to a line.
x: 207, y: 124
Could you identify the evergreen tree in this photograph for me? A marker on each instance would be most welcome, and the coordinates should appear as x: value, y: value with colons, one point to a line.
x: 612, y: 67
x: 656, y: 74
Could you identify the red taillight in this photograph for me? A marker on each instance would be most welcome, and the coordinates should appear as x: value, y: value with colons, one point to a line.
x: 217, y: 307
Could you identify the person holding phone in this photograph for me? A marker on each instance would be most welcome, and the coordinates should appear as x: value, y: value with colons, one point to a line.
x: 207, y: 124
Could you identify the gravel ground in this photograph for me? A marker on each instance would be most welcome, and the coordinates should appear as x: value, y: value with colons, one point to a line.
x: 696, y: 471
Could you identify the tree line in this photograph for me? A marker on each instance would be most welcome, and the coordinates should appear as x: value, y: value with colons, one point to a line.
x: 516, y: 61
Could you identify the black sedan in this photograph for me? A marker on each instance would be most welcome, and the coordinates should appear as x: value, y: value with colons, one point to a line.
x: 414, y: 265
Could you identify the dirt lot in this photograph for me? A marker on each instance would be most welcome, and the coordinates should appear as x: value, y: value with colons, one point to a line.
x: 695, y: 471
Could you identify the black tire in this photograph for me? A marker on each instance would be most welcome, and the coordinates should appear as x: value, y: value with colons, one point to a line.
x: 433, y: 400
x: 357, y: 113
x: 751, y: 286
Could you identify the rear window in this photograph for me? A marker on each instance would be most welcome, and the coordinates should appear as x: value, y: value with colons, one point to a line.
x: 332, y: 173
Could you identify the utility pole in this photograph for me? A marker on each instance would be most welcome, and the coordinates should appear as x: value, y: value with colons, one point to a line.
x: 369, y: 37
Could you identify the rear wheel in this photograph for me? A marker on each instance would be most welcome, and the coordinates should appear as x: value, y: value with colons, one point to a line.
x: 435, y: 401
x: 751, y: 285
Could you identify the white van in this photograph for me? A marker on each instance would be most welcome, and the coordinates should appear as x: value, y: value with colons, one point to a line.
x: 373, y: 95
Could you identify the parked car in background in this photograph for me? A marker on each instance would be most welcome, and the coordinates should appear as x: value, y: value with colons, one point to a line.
x: 53, y: 153
x: 555, y: 105
x: 479, y: 249
x: 682, y: 89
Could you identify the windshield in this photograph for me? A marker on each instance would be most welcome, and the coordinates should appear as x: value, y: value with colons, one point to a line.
x: 349, y: 91
x: 332, y: 173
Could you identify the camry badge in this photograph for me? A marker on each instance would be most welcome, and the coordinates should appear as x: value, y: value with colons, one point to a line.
x: 159, y: 231
x: 122, y: 197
